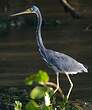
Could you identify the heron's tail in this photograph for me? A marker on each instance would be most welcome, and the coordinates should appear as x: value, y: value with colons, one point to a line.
x: 85, y: 68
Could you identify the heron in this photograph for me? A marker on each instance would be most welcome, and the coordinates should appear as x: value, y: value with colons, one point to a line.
x: 59, y: 62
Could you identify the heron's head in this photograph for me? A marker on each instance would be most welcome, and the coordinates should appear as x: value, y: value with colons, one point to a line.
x: 33, y: 9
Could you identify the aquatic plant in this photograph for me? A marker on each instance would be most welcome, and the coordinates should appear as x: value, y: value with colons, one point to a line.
x: 42, y: 95
x: 38, y: 94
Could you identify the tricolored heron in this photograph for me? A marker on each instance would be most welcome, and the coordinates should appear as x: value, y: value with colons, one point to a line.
x: 59, y: 62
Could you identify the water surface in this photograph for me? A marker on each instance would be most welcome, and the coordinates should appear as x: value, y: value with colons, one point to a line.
x: 19, y: 56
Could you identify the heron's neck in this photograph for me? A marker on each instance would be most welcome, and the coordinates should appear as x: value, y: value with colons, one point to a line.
x: 38, y: 31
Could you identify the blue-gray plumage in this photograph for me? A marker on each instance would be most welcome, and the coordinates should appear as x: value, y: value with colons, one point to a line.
x: 59, y: 62
x: 63, y: 63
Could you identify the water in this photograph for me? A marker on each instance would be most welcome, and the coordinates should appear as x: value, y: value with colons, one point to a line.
x: 19, y: 56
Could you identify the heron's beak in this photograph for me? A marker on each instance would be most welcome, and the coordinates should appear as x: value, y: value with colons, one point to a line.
x: 21, y: 13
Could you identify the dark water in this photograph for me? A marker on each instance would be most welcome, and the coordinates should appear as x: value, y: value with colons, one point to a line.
x: 19, y: 56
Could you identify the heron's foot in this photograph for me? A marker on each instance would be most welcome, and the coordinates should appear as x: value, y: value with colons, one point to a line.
x: 55, y: 86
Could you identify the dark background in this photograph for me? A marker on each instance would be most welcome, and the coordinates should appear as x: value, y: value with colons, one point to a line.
x: 19, y: 56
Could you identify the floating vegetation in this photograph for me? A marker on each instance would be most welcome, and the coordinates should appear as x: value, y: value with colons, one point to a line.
x: 38, y: 94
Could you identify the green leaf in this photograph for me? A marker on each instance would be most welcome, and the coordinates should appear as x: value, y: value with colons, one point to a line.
x: 42, y: 77
x: 30, y: 79
x: 64, y: 103
x: 18, y: 105
x: 38, y: 92
x: 47, y: 108
x: 32, y: 105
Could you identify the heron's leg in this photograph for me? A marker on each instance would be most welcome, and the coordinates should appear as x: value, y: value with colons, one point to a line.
x: 57, y: 82
x: 70, y: 87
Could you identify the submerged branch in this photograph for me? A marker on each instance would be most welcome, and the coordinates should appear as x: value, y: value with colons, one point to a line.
x: 70, y: 9
x: 55, y: 86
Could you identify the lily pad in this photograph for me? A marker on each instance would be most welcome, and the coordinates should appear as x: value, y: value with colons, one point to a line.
x: 38, y: 92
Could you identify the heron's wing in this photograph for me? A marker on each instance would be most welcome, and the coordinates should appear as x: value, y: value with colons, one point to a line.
x: 63, y: 62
